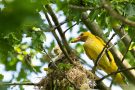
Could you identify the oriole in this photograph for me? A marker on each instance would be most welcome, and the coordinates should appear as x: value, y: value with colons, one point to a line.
x: 93, y: 45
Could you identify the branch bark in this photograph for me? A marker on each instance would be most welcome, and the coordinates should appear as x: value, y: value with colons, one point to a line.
x: 126, y: 40
x: 55, y: 20
x: 56, y: 37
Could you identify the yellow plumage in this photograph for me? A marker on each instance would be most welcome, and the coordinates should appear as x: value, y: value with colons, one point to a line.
x: 93, y: 46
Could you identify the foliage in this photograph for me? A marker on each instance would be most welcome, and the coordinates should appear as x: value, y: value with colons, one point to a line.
x: 23, y: 30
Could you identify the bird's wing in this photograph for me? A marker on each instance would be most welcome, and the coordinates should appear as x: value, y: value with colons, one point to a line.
x: 108, y: 54
x: 100, y: 40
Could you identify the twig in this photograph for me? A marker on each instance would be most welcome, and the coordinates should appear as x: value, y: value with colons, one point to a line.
x: 122, y: 70
x: 27, y: 59
x: 47, y: 54
x: 34, y: 84
x: 116, y: 42
x: 126, y: 51
x: 102, y: 53
x: 50, y: 58
x: 53, y: 28
x: 69, y: 28
x: 114, y: 14
x: 82, y: 7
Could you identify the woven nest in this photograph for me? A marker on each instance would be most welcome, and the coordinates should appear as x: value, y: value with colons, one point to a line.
x: 63, y: 75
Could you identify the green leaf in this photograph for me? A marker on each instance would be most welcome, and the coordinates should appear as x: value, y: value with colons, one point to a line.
x: 130, y: 10
x: 79, y: 48
x: 63, y: 66
x: 37, y: 68
x: 22, y: 74
x: 1, y: 77
x: 132, y: 46
x: 18, y: 14
x: 45, y: 2
x: 94, y: 14
x: 131, y: 32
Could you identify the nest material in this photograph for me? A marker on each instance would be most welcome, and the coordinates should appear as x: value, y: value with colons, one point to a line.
x: 74, y: 77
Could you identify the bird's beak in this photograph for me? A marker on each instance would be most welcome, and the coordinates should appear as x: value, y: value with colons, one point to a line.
x: 76, y: 39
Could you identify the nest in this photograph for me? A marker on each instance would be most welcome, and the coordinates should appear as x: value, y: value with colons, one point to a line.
x: 62, y: 75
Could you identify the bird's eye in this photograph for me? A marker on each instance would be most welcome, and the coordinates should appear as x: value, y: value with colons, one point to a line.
x: 81, y: 34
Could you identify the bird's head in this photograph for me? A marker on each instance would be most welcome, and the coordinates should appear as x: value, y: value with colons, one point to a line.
x: 82, y: 37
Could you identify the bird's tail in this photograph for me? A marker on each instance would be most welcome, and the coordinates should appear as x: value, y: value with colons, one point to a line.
x: 119, y: 79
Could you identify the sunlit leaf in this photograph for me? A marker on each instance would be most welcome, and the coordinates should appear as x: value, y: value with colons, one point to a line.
x: 17, y: 49
x: 132, y: 46
x: 20, y: 57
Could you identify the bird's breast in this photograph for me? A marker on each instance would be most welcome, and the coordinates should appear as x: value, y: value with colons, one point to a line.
x: 92, y: 48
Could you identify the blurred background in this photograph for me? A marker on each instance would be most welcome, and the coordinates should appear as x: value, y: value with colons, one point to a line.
x: 26, y: 41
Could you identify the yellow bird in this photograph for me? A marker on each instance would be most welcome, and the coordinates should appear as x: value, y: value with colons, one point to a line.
x: 93, y: 45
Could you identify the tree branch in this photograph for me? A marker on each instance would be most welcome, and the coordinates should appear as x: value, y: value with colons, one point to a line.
x: 127, y: 49
x: 57, y: 38
x: 126, y: 39
x: 114, y: 14
x: 55, y: 20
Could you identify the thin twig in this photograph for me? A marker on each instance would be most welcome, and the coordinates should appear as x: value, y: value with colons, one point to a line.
x: 82, y: 7
x: 47, y: 54
x: 27, y: 59
x: 116, y: 42
x: 50, y: 58
x: 69, y: 28
x: 122, y: 70
x: 126, y: 50
x: 53, y: 28
x: 34, y: 84
x: 102, y: 53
